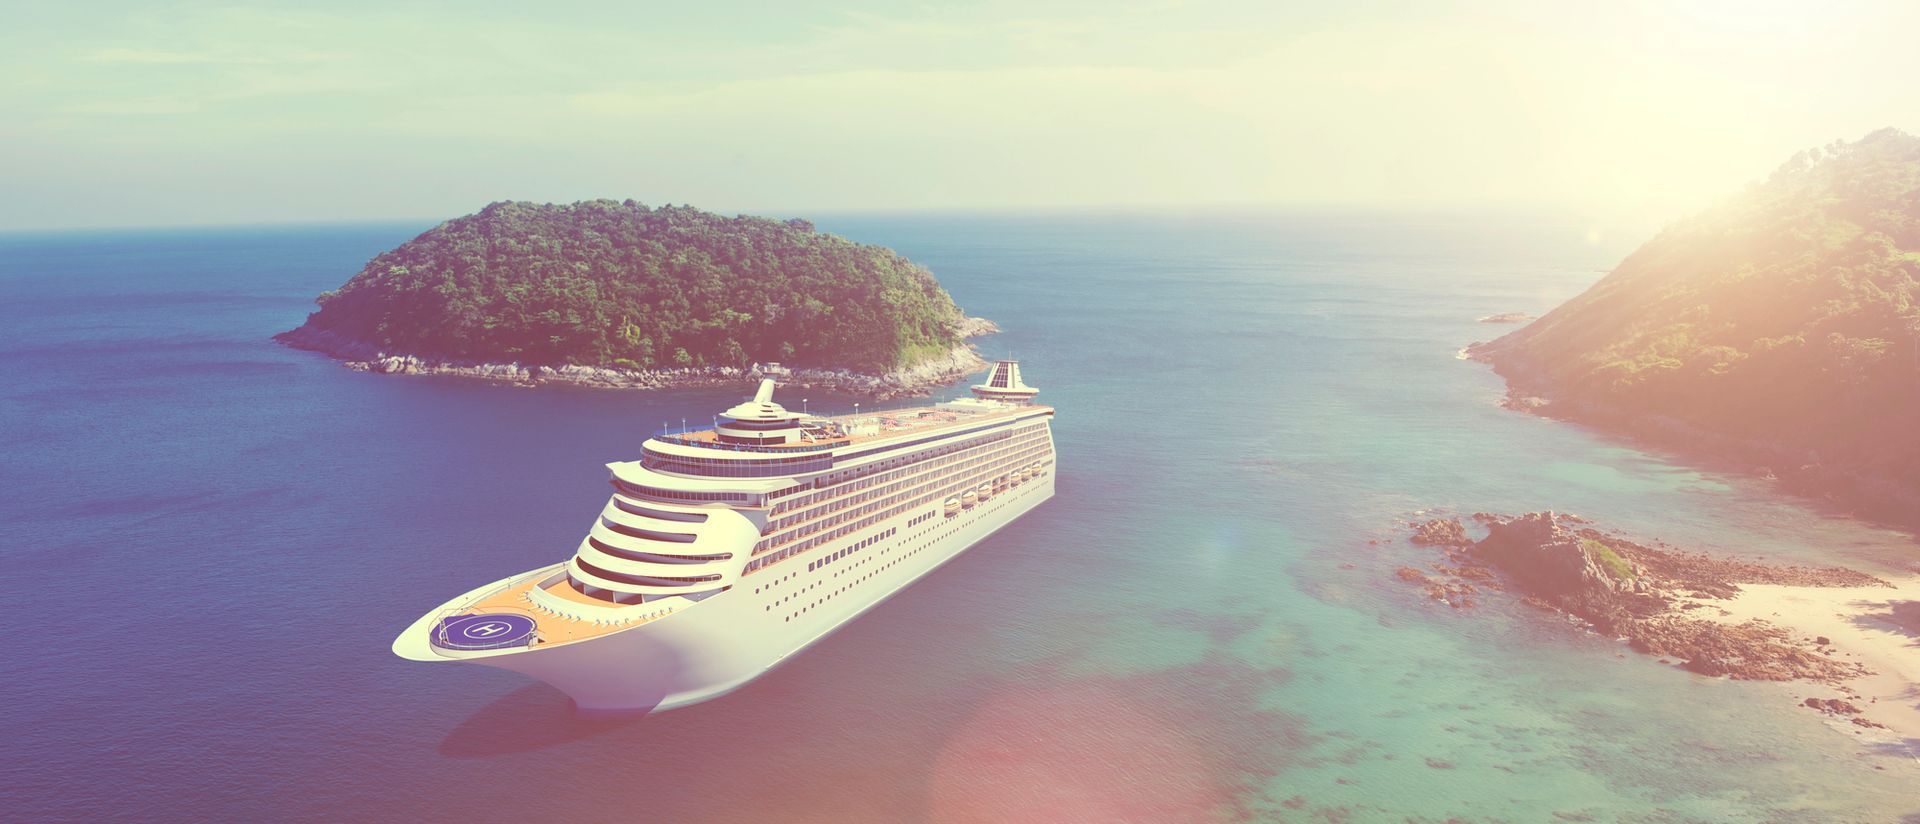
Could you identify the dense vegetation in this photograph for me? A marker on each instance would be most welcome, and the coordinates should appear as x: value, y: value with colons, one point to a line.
x: 602, y: 283
x: 1788, y: 316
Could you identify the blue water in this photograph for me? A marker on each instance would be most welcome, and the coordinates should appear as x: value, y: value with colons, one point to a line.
x: 209, y: 542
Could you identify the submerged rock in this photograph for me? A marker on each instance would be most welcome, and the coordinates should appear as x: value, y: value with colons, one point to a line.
x: 1507, y: 317
x: 1441, y: 532
x: 1832, y: 705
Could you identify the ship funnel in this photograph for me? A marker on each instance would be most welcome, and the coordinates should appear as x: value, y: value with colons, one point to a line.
x: 758, y: 422
x: 1004, y: 384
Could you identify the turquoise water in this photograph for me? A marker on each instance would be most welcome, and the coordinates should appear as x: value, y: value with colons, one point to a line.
x: 210, y: 541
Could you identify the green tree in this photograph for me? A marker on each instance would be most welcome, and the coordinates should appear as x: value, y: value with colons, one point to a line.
x: 600, y: 282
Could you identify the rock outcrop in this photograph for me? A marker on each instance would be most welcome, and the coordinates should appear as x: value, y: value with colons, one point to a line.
x: 1631, y: 591
x: 1441, y: 532
x: 1578, y: 575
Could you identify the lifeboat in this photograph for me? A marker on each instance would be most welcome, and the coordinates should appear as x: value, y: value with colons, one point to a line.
x: 985, y: 491
x: 969, y: 499
x: 952, y: 507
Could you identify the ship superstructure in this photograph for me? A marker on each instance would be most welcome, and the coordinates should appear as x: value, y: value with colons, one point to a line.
x: 724, y: 551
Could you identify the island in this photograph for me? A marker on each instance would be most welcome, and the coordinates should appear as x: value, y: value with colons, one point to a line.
x: 617, y: 293
x: 1777, y: 333
x: 1840, y: 640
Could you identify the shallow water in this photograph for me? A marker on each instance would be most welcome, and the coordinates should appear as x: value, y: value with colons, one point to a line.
x: 210, y: 541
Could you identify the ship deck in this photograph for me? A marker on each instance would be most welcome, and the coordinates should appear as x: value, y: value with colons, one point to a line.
x: 889, y: 423
x: 552, y: 628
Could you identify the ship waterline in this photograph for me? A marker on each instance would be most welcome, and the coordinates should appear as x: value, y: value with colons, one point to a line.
x: 724, y: 552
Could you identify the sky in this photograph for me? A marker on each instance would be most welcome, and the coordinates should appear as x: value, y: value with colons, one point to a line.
x: 155, y: 113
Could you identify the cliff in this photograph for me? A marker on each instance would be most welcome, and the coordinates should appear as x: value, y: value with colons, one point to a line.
x: 1779, y: 330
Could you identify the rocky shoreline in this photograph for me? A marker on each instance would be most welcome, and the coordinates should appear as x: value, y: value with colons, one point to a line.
x: 919, y: 379
x: 1661, y: 601
x: 1798, y: 471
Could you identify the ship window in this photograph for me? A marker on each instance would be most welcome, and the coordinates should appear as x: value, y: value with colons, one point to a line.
x: 659, y: 514
x: 638, y: 491
x: 640, y: 580
x: 654, y: 558
x: 648, y: 534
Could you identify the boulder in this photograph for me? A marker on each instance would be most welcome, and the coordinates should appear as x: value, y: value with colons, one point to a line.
x: 1565, y: 569
x: 1441, y: 532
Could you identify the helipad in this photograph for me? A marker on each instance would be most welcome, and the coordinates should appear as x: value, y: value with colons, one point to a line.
x: 484, y: 631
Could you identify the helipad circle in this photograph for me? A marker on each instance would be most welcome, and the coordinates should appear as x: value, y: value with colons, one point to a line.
x: 484, y: 631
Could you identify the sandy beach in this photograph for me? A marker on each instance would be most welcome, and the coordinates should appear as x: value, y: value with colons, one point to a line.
x: 1877, y: 626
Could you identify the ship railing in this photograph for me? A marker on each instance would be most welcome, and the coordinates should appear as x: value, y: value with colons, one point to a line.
x: 743, y: 447
x: 440, y: 619
x: 441, y: 641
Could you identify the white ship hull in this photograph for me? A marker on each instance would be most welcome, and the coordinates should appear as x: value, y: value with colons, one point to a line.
x: 723, y: 552
x: 732, y: 638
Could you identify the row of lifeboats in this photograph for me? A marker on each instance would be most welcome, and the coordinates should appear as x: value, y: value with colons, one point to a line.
x: 984, y: 492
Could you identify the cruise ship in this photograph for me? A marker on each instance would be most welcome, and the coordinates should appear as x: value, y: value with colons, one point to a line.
x: 725, y: 551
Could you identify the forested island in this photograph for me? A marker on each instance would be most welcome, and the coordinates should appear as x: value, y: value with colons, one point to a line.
x: 619, y: 293
x: 1779, y: 331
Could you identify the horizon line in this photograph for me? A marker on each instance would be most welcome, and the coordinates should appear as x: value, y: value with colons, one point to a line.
x: 1480, y: 208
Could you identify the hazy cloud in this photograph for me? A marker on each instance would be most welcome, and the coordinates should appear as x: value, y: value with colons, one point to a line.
x: 163, y: 58
x: 364, y: 111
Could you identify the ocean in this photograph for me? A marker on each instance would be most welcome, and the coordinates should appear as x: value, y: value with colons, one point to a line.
x: 209, y: 541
